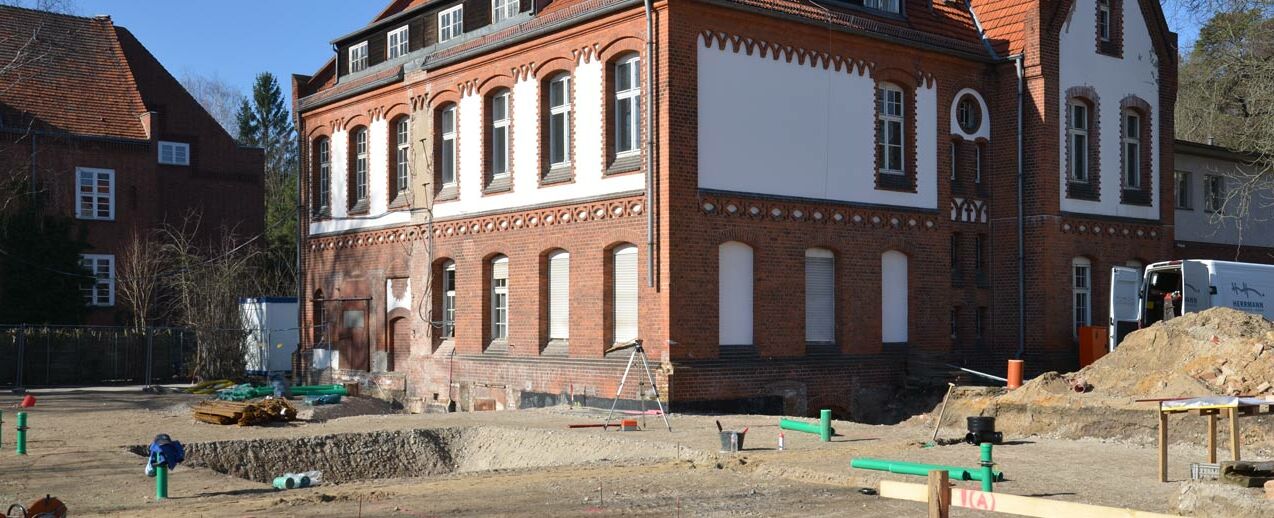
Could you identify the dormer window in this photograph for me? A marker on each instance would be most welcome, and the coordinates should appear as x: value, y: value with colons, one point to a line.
x: 891, y: 6
x: 174, y: 153
x: 503, y: 10
x: 450, y: 23
x: 397, y: 43
x: 358, y: 58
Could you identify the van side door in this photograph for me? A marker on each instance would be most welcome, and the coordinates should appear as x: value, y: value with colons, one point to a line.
x: 1125, y: 303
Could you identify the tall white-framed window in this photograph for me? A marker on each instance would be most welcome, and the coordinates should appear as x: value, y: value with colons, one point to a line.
x: 324, y: 156
x: 894, y: 304
x: 100, y: 292
x: 1103, y: 20
x: 402, y: 154
x: 625, y: 312
x: 447, y: 143
x: 559, y: 295
x: 360, y: 164
x: 503, y: 10
x: 450, y: 23
x: 1181, y: 181
x: 977, y: 163
x: 1132, y: 150
x: 890, y: 128
x: 734, y: 293
x: 174, y: 153
x: 560, y: 120
x: 358, y: 57
x: 1077, y: 132
x: 500, y: 141
x: 627, y: 105
x: 1081, y: 294
x: 449, y: 299
x: 1213, y: 192
x: 500, y: 298
x: 820, y: 296
x: 95, y: 190
x: 396, y: 43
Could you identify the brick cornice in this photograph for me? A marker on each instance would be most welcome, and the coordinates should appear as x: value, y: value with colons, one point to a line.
x: 740, y: 207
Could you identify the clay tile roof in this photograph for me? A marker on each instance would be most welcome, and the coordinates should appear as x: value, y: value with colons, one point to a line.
x: 1003, y: 21
x: 68, y: 73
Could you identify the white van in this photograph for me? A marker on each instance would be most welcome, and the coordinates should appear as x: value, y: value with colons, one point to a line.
x: 1137, y: 299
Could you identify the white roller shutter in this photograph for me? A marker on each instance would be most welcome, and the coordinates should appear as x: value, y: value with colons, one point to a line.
x: 820, y: 312
x: 625, y: 293
x: 734, y: 293
x: 893, y: 297
x: 559, y: 295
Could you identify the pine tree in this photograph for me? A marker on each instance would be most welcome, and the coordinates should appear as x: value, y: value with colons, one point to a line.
x: 265, y: 122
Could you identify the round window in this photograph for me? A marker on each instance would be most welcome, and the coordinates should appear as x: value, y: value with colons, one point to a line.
x: 968, y: 114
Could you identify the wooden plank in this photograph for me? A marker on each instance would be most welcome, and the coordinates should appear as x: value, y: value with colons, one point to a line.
x: 1234, y: 433
x: 1011, y: 504
x: 1212, y: 438
x: 939, y: 494
x: 1163, y: 447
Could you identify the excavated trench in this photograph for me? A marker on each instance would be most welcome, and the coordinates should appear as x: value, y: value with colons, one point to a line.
x: 416, y: 453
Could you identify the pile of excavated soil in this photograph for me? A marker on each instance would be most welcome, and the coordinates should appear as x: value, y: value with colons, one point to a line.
x: 348, y: 407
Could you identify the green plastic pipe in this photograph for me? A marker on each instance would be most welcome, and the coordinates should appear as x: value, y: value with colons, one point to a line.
x: 161, y: 481
x: 317, y: 390
x: 801, y: 426
x: 915, y: 468
x: 284, y: 482
x: 986, y: 462
x: 825, y: 424
x: 22, y: 433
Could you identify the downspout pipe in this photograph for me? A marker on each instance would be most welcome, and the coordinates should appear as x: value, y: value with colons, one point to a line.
x: 1021, y: 217
x: 302, y: 149
x: 650, y: 144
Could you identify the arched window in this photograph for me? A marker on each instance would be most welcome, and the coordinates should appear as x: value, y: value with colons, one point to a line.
x: 893, y: 297
x: 968, y: 114
x: 447, y: 145
x: 449, y: 299
x: 500, y: 298
x: 498, y: 143
x: 401, y: 153
x: 820, y: 296
x: 627, y: 81
x: 559, y: 295
x: 559, y: 120
x: 1103, y: 20
x: 734, y: 293
x: 1077, y: 127
x: 323, y: 184
x: 890, y: 128
x: 1131, y: 149
x: 358, y: 165
x: 1081, y: 294
x: 625, y: 293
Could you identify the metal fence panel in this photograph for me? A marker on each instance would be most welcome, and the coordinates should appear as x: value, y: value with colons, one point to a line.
x: 91, y: 355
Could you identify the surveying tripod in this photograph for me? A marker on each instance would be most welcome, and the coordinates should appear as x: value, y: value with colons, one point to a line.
x: 638, y: 351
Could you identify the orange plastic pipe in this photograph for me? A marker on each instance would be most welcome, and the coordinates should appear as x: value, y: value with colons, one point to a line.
x: 1015, y: 373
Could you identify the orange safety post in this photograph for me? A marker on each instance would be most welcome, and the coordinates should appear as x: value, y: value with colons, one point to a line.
x: 1015, y: 373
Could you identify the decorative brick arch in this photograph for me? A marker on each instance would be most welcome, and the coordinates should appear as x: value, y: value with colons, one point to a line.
x: 1144, y: 194
x: 1090, y: 189
x: 908, y: 82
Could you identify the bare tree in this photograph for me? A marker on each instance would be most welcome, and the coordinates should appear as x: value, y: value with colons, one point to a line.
x: 140, y: 282
x: 217, y: 96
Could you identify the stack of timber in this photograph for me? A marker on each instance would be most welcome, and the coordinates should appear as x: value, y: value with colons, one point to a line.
x: 244, y: 413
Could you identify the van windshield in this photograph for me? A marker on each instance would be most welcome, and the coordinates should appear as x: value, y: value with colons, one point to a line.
x: 1162, y: 282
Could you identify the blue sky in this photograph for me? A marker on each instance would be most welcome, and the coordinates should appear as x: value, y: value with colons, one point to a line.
x: 235, y: 39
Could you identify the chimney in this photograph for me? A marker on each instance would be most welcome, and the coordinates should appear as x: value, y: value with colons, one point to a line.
x: 150, y: 123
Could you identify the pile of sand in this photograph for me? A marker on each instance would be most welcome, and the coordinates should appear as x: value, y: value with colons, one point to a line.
x: 1218, y: 351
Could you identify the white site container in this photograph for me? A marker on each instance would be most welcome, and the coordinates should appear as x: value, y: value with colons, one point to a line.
x: 1136, y: 298
x: 272, y: 335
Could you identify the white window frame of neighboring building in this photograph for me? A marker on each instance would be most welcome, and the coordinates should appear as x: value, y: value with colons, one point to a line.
x: 102, y: 267
x: 559, y: 284
x: 502, y: 10
x: 1181, y: 182
x: 1081, y: 294
x: 1075, y: 134
x: 1103, y: 20
x: 358, y: 57
x: 360, y: 164
x: 560, y: 114
x: 92, y: 202
x: 820, y: 296
x: 1131, y: 149
x: 891, y: 128
x: 628, y: 100
x: 625, y: 303
x: 501, y: 144
x: 174, y: 153
x: 324, y: 146
x: 402, y: 154
x: 450, y: 23
x: 1213, y: 192
x: 447, y: 143
x: 397, y: 43
x: 449, y: 300
x: 500, y: 298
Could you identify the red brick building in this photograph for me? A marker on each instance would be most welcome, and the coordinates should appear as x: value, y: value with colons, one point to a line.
x: 111, y: 139
x: 807, y: 204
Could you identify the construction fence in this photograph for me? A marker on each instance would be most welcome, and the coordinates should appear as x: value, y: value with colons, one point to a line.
x: 35, y: 356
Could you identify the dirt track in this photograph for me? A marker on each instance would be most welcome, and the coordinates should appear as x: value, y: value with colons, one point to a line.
x: 79, y: 440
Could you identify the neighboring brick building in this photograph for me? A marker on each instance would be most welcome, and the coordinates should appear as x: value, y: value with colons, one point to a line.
x: 114, y: 141
x: 833, y: 203
x: 1213, y: 220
